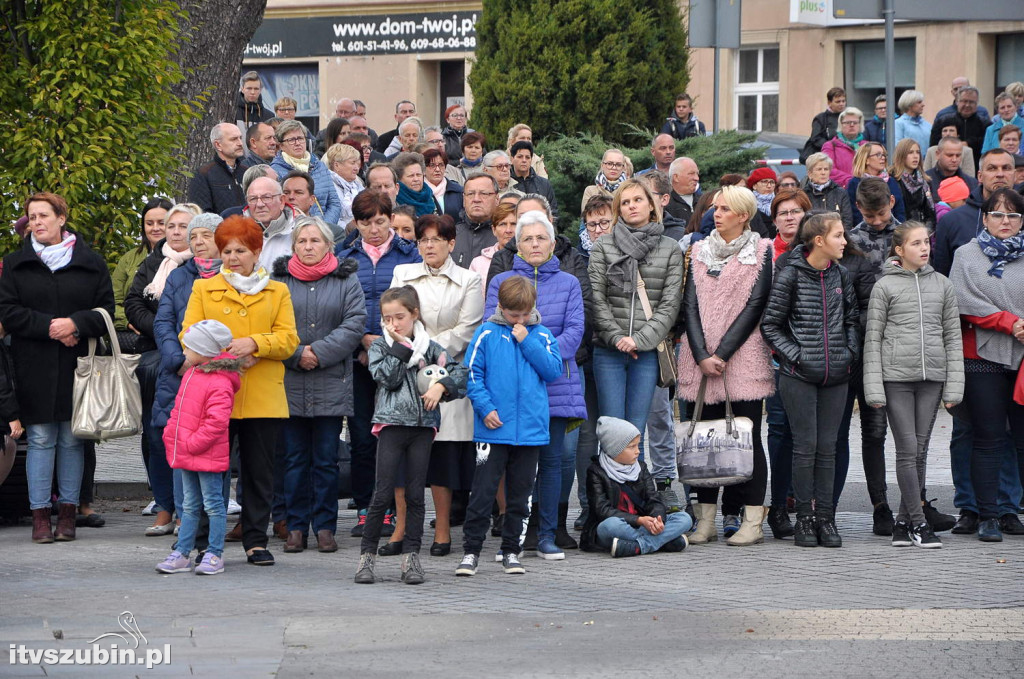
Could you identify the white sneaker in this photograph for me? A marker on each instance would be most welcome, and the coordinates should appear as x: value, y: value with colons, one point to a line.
x: 234, y: 507
x: 150, y: 509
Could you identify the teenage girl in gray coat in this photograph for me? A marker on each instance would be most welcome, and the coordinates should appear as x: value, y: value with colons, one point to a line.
x: 913, y: 357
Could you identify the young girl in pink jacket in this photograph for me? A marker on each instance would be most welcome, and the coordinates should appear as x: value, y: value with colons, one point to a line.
x: 196, y: 438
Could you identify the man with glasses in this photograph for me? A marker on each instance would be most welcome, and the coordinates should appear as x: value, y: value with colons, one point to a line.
x: 970, y: 126
x: 498, y: 165
x: 267, y: 206
x: 955, y: 87
x: 525, y: 178
x: 403, y: 109
x: 473, y: 230
x: 217, y: 185
x: 874, y: 129
x: 358, y: 125
x: 685, y: 178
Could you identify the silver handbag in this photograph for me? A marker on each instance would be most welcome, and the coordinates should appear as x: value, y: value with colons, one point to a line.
x: 715, y: 452
x: 106, y: 401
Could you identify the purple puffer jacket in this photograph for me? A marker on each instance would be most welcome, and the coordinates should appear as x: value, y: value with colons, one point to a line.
x: 560, y: 303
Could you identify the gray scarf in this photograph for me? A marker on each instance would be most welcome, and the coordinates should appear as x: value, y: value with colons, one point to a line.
x: 636, y: 245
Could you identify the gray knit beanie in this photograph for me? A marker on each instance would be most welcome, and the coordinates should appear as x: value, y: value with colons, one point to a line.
x: 206, y: 220
x: 614, y: 435
x: 207, y: 338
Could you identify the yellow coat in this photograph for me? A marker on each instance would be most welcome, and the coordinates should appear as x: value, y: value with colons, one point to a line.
x: 269, y: 320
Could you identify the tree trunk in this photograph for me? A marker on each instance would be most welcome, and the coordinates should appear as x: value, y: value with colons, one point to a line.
x: 213, y: 42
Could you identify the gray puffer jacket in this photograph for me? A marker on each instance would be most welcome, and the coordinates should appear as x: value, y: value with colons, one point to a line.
x: 330, y: 317
x: 398, y: 397
x: 618, y: 314
x: 913, y: 333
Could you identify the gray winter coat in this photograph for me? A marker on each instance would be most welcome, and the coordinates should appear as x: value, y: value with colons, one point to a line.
x: 618, y: 314
x: 330, y: 317
x: 398, y: 399
x: 913, y: 333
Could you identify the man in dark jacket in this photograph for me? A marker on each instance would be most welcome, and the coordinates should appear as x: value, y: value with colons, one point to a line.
x: 964, y: 223
x: 684, y: 175
x: 874, y: 129
x: 261, y: 144
x: 473, y: 230
x: 217, y: 185
x: 525, y: 178
x: 658, y: 184
x: 955, y: 88
x: 249, y: 108
x: 825, y: 124
x: 970, y: 126
x: 947, y: 164
x: 684, y: 123
x: 403, y: 109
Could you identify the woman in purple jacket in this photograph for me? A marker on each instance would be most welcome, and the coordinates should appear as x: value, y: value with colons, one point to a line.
x: 560, y: 304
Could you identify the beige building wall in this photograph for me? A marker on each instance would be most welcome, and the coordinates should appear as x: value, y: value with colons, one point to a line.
x: 811, y: 61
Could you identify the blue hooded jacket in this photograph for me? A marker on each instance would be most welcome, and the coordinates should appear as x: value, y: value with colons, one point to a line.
x: 376, y: 279
x: 166, y: 327
x: 560, y: 304
x: 509, y: 376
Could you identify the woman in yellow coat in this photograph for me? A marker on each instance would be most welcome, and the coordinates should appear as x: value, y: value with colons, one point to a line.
x: 259, y: 313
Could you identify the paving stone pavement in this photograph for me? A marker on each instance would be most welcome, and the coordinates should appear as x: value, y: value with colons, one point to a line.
x: 773, y: 610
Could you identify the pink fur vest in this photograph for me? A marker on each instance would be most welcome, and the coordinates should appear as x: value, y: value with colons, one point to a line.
x: 721, y: 299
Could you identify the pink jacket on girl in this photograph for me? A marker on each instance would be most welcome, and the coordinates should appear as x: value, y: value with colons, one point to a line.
x: 196, y: 435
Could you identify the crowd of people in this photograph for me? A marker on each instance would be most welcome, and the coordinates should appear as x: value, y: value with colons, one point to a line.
x: 411, y: 289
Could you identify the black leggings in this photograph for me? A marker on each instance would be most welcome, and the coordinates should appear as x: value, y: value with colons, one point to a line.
x: 398, y: 449
x: 752, y: 492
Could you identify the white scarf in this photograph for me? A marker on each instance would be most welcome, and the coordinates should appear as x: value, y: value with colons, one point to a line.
x: 247, y: 285
x: 716, y: 253
x: 620, y: 473
x: 420, y: 343
x: 439, y: 190
x: 55, y: 256
x: 172, y: 260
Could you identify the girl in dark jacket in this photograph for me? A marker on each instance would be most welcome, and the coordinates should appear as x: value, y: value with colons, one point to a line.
x: 812, y: 324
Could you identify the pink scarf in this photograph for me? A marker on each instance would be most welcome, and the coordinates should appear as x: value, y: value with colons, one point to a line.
x: 325, y: 267
x: 376, y: 252
x: 208, y: 268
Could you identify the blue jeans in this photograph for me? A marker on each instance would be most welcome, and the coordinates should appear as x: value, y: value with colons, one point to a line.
x: 780, y: 446
x: 549, y: 477
x: 625, y: 385
x: 661, y: 438
x: 203, y: 491
x: 961, y: 446
x: 49, y: 444
x: 161, y: 476
x: 311, y: 472
x: 614, y: 527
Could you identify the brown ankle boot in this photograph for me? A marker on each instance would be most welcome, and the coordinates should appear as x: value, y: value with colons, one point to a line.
x: 41, y: 531
x: 65, y: 522
x: 281, y: 530
x: 235, y: 534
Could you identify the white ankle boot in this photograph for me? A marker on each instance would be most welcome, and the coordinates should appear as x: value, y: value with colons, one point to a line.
x: 751, y: 531
x: 706, y: 531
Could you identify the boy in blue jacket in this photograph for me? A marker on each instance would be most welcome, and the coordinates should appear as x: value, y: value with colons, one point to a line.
x: 509, y: 360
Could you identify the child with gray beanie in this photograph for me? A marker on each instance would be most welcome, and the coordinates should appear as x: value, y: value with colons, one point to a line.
x: 627, y: 516
x: 196, y: 440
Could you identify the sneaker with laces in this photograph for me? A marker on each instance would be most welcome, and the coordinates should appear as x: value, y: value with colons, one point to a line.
x: 901, y: 534
x: 805, y: 534
x: 828, y: 535
x: 357, y: 530
x: 412, y: 571
x: 210, y: 565
x: 364, y: 573
x: 547, y: 549
x: 730, y: 524
x: 176, y: 562
x: 924, y: 537
x: 387, y: 529
x: 150, y: 509
x: 500, y: 555
x: 668, y: 496
x: 234, y: 507
x: 622, y: 547
x: 468, y: 565
x: 511, y: 564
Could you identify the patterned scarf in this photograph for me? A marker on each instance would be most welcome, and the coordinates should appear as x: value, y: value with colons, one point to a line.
x: 607, y: 185
x: 208, y: 268
x: 717, y: 253
x: 55, y: 256
x: 883, y: 175
x: 585, y: 241
x: 916, y: 181
x: 819, y: 187
x: 1001, y: 252
x: 635, y: 245
x: 764, y: 203
x: 246, y: 285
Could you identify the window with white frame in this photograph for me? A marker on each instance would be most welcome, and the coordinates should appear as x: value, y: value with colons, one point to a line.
x: 756, y: 89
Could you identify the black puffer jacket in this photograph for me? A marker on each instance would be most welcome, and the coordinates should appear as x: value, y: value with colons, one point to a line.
x: 140, y: 308
x: 833, y: 198
x: 603, y: 498
x: 812, y: 321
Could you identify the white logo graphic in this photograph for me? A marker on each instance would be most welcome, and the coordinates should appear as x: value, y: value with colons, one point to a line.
x: 94, y: 653
x: 127, y: 622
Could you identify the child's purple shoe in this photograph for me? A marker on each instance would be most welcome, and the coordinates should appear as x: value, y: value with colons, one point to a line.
x: 176, y: 562
x: 210, y: 565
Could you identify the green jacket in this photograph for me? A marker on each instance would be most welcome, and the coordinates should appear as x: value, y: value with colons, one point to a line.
x: 124, y: 274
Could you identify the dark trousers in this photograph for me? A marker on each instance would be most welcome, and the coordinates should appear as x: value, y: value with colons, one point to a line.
x: 814, y: 414
x: 519, y: 465
x: 257, y: 438
x: 872, y: 444
x: 990, y: 404
x: 364, y: 443
x: 751, y: 492
x: 780, y: 446
x: 399, y: 448
x: 85, y: 495
x: 311, y: 472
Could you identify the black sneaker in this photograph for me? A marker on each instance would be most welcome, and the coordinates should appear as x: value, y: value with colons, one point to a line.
x: 668, y: 496
x: 937, y: 520
x: 901, y: 535
x: 805, y: 533
x: 778, y: 521
x: 967, y: 524
x: 622, y: 547
x: 1011, y: 525
x: 730, y: 524
x: 882, y: 520
x: 923, y: 536
x: 828, y: 536
x: 676, y: 545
